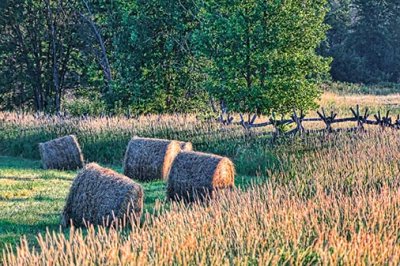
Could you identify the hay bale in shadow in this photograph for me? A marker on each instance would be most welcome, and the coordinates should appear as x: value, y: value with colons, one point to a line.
x: 98, y: 195
x: 61, y: 154
x: 150, y: 159
x: 196, y: 176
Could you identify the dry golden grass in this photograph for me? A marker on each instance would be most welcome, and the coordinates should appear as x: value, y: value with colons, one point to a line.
x: 336, y: 203
x: 342, y: 103
x: 20, y: 135
x: 331, y: 201
x: 101, y: 123
x: 185, y: 127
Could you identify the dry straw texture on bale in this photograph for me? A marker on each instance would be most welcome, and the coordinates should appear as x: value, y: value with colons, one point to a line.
x: 151, y: 159
x: 196, y: 175
x: 62, y: 154
x: 98, y: 195
x: 186, y: 146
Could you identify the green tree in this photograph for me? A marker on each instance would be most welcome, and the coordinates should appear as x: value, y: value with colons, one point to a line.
x: 157, y: 67
x: 45, y: 55
x: 363, y: 40
x: 261, y: 54
x: 370, y: 41
x: 339, y: 19
x: 36, y: 45
x: 394, y: 29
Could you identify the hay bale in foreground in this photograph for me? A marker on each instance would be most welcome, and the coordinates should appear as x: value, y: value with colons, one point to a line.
x: 150, y: 159
x: 196, y: 175
x: 98, y: 195
x: 61, y: 154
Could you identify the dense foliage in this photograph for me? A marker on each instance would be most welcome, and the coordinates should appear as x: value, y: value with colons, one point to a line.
x: 157, y: 68
x: 364, y: 40
x: 160, y: 56
x: 92, y: 57
x: 262, y: 53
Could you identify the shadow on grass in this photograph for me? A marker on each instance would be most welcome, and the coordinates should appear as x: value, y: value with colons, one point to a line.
x: 14, y: 178
x: 16, y: 163
x: 11, y: 232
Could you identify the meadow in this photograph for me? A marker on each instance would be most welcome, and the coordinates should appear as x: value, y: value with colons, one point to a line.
x: 321, y: 199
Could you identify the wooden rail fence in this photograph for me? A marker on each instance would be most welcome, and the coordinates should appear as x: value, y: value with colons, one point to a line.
x: 329, y: 119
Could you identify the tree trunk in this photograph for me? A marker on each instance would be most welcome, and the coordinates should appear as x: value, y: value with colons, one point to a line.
x: 56, y: 77
x: 34, y: 72
x: 104, y: 63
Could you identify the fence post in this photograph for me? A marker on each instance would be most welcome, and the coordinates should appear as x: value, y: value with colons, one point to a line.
x: 327, y: 119
x: 298, y: 120
x: 397, y: 122
x: 384, y: 121
x: 276, y: 124
x: 360, y: 119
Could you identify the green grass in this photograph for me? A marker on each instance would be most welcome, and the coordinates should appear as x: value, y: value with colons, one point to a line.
x: 31, y: 199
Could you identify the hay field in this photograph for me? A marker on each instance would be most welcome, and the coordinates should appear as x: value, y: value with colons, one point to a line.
x: 329, y: 201
x: 32, y: 199
x: 336, y: 204
x: 340, y: 103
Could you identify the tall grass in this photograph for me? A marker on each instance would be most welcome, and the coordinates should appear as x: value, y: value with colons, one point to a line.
x: 351, y: 88
x: 104, y: 140
x: 341, y: 104
x: 334, y: 201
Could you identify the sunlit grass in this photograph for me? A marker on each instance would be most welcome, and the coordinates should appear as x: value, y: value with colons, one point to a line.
x: 341, y: 103
x: 331, y: 199
x: 31, y: 199
x: 335, y: 202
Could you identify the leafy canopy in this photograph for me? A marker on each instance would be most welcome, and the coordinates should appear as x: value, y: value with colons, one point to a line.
x: 261, y: 54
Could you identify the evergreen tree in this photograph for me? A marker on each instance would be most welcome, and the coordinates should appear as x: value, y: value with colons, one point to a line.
x: 370, y: 41
x: 339, y: 19
x: 363, y: 40
x: 394, y: 29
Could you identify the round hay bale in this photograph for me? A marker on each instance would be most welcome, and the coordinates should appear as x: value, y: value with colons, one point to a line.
x: 196, y: 175
x: 150, y: 159
x: 98, y: 195
x: 61, y: 154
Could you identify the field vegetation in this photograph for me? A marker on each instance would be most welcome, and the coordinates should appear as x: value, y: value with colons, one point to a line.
x: 106, y: 71
x: 334, y: 204
x: 326, y: 198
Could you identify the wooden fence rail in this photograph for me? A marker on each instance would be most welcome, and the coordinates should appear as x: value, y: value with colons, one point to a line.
x: 329, y: 119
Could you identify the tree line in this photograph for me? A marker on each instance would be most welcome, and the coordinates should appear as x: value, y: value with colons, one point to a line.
x: 148, y: 56
x: 363, y: 41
